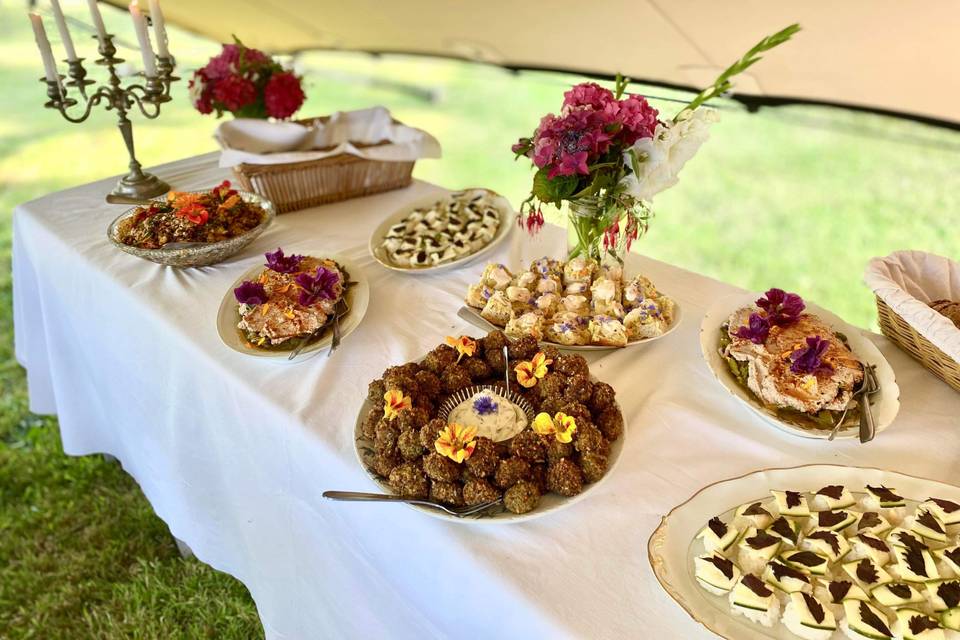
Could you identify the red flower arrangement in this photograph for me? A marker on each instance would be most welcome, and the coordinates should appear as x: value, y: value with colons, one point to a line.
x: 246, y: 83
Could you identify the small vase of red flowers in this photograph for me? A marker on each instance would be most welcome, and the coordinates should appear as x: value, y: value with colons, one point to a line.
x: 246, y: 83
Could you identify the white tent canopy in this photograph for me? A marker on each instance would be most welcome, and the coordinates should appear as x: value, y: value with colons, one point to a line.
x: 885, y: 55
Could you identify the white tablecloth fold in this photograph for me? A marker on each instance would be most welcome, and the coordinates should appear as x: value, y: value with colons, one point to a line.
x: 233, y: 453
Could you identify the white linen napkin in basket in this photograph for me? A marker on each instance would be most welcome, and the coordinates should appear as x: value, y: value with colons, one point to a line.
x: 254, y: 141
x: 908, y: 281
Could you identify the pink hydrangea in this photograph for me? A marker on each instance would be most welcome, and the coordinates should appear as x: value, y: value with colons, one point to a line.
x: 228, y: 61
x: 566, y: 144
x: 588, y: 94
x: 638, y: 118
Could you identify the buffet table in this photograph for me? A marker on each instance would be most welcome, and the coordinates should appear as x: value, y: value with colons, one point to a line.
x: 234, y: 452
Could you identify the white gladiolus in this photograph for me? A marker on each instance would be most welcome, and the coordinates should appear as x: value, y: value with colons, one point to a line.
x: 662, y: 157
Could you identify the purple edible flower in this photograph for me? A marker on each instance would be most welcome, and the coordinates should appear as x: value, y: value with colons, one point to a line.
x: 281, y: 263
x: 321, y: 286
x: 810, y: 359
x: 484, y: 405
x: 782, y: 308
x: 250, y: 293
x: 757, y: 331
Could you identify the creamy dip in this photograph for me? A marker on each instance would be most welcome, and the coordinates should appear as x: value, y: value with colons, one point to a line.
x: 491, y: 414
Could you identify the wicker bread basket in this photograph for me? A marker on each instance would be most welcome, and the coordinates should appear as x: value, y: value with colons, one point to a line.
x: 298, y: 185
x: 905, y: 284
x: 907, y: 338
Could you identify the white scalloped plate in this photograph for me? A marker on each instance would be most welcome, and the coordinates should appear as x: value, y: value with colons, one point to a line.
x: 886, y: 404
x: 504, y: 208
x: 669, y: 547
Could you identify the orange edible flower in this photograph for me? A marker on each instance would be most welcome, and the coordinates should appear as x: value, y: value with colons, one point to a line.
x: 456, y: 442
x: 230, y: 202
x: 464, y: 346
x: 194, y: 212
x: 394, y: 403
x: 561, y: 426
x: 533, y: 370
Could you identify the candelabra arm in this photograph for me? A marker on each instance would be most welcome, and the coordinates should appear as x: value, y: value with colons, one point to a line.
x: 92, y: 101
x: 142, y: 101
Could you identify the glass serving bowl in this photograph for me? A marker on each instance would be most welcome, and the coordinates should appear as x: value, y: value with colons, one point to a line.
x: 201, y: 255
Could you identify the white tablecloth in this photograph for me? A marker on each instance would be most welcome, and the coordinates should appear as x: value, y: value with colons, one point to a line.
x: 233, y: 453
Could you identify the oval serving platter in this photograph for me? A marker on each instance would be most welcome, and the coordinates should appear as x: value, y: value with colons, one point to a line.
x: 473, y: 317
x: 357, y: 297
x: 670, y: 553
x: 507, y: 216
x: 200, y: 256
x: 886, y: 403
x: 549, y: 503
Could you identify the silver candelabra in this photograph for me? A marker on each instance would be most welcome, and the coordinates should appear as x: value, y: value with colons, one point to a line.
x: 147, y: 97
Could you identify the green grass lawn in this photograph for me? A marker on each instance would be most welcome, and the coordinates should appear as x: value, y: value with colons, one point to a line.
x: 796, y: 197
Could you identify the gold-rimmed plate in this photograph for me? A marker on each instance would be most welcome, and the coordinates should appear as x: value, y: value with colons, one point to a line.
x: 670, y: 551
x: 357, y: 297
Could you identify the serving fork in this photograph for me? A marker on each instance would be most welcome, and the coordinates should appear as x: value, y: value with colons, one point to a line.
x: 459, y: 512
x: 340, y: 309
x: 868, y: 387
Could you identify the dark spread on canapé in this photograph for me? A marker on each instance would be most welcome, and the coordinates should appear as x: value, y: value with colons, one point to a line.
x: 831, y: 518
x: 869, y: 519
x: 815, y: 608
x: 916, y: 562
x: 829, y: 537
x: 756, y: 509
x: 926, y: 519
x: 871, y: 619
x: 723, y: 565
x: 782, y: 528
x: 834, y: 491
x: 867, y: 572
x: 900, y: 590
x: 949, y: 592
x: 781, y: 571
x: 839, y: 590
x: 806, y: 558
x: 884, y: 494
x: 792, y: 498
x: 716, y: 525
x: 919, y: 624
x: 873, y: 543
x: 762, y: 540
x: 756, y: 585
x: 910, y: 541
x: 946, y: 505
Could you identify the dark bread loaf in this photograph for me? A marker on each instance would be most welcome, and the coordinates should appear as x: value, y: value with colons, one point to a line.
x: 949, y: 308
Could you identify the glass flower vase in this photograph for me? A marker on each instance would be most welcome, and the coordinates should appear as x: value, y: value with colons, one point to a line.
x: 587, y: 224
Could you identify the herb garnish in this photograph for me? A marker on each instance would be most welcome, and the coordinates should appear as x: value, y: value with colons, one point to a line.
x: 902, y: 591
x: 716, y: 525
x: 723, y: 565
x: 839, y: 590
x: 884, y: 494
x: 806, y: 558
x: 868, y: 520
x: 831, y: 518
x: 949, y: 592
x: 870, y: 618
x: 926, y: 519
x: 756, y: 585
x: 762, y: 540
x: 919, y: 624
x: 946, y: 505
x: 867, y: 572
x: 827, y: 536
x: 792, y: 499
x: 834, y: 491
x: 816, y: 609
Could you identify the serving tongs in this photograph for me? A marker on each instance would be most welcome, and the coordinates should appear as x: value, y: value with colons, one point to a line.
x: 459, y: 512
x: 868, y: 387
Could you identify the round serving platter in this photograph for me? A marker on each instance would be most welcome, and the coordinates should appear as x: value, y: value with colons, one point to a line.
x: 357, y: 298
x: 507, y: 217
x: 473, y: 317
x: 200, y: 256
x: 886, y: 403
x: 670, y: 547
x: 549, y: 503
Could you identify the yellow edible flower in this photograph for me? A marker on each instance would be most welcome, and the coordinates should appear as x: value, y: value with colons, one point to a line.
x: 456, y: 442
x: 529, y: 372
x: 561, y: 426
x: 464, y: 346
x: 394, y: 403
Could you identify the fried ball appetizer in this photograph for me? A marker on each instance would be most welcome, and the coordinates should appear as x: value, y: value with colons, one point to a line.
x: 522, y: 348
x: 579, y: 389
x: 556, y: 449
x: 510, y: 472
x: 593, y: 465
x: 479, y: 491
x: 477, y: 369
x: 375, y: 391
x: 564, y: 477
x: 409, y: 480
x: 484, y: 460
x: 522, y: 497
x: 430, y: 432
x: 603, y: 398
x: 447, y: 493
x: 429, y: 384
x: 385, y: 441
x: 610, y: 423
x: 440, y: 358
x: 588, y: 439
x: 382, y: 464
x: 369, y: 427
x: 528, y: 445
x: 455, y: 377
x: 440, y: 468
x: 408, y: 444
x: 571, y: 365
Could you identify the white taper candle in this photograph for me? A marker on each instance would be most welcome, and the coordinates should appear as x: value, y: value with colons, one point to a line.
x: 146, y: 51
x: 64, y: 32
x: 46, y: 53
x: 159, y: 29
x: 97, y: 21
